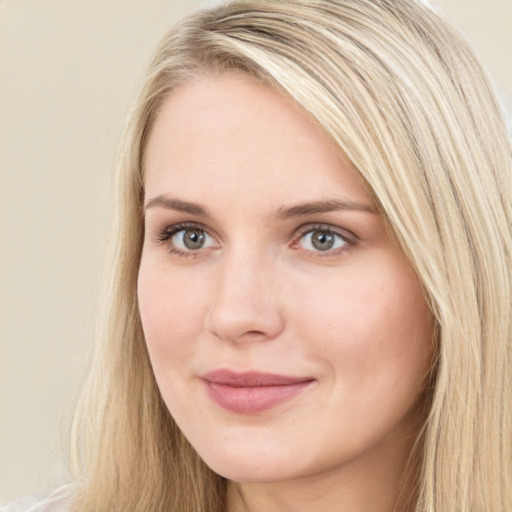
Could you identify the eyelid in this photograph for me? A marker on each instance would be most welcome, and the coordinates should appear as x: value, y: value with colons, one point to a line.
x: 346, y: 234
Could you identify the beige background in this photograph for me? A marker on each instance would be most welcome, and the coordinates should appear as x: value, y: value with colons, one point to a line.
x: 67, y: 71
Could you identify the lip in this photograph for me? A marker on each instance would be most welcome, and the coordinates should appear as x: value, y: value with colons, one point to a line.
x: 252, y: 392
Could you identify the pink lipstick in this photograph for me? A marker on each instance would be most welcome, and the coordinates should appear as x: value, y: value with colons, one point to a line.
x: 252, y: 392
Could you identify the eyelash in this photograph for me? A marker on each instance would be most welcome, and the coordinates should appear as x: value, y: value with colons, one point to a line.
x: 349, y: 240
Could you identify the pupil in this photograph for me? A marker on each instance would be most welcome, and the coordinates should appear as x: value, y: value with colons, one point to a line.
x: 322, y: 240
x: 193, y: 239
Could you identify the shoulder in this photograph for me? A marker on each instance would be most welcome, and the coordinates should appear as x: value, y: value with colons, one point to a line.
x: 56, y: 500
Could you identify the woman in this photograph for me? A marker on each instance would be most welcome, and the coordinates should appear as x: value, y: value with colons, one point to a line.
x: 309, y: 297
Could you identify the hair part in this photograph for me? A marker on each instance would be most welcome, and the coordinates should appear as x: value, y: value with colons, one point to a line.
x: 407, y: 103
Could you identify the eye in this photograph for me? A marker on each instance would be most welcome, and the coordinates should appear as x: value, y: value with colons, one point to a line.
x: 185, y: 240
x: 191, y: 239
x: 322, y: 240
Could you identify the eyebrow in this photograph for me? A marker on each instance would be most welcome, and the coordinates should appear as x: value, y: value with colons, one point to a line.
x: 283, y: 213
x: 176, y: 204
x: 314, y: 207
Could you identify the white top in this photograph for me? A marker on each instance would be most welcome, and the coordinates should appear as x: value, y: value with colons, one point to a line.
x: 56, y: 500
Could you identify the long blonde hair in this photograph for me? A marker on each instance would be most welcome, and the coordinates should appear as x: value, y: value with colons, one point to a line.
x: 407, y: 103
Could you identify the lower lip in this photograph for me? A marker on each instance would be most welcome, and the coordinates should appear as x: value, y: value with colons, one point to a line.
x: 252, y: 400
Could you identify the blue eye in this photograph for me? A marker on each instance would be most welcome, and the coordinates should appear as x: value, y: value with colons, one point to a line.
x: 323, y: 240
x: 191, y: 239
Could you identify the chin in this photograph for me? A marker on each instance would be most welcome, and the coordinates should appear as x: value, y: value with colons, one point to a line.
x: 244, y: 467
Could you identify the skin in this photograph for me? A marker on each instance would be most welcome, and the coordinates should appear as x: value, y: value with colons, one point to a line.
x: 258, y: 295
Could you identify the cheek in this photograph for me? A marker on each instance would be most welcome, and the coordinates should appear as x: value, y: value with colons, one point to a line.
x: 373, y: 335
x: 171, y: 308
x: 373, y: 327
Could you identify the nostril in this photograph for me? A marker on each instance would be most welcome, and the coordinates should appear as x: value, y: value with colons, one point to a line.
x: 253, y: 334
x: 250, y: 335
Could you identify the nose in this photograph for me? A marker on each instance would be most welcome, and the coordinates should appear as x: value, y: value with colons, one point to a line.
x: 246, y: 301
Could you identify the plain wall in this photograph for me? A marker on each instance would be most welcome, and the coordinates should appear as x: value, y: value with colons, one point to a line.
x: 68, y: 69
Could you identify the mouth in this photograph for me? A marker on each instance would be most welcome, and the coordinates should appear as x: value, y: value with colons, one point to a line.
x: 252, y: 392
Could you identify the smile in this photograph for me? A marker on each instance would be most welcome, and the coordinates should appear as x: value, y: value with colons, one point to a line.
x: 252, y: 392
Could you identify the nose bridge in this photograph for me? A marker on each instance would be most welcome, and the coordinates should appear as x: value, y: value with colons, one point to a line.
x: 245, y: 303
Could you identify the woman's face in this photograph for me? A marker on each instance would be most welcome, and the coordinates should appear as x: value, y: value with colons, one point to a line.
x: 286, y: 329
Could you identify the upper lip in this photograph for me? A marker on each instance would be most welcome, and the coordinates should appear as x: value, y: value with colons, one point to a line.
x: 251, y: 378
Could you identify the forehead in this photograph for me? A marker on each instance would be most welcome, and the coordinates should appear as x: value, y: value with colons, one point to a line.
x: 222, y: 133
